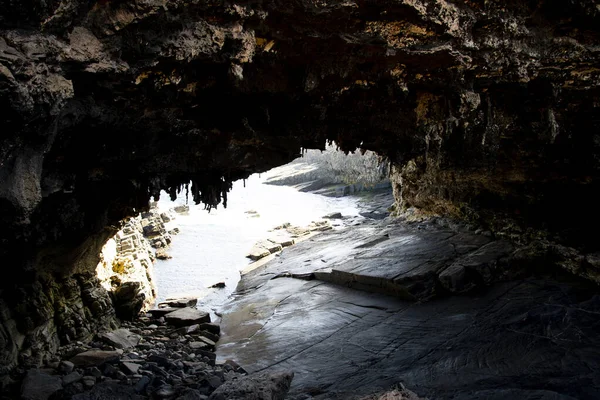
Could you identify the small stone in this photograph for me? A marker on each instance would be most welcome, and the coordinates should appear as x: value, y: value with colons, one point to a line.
x: 141, y: 385
x: 130, y: 368
x: 121, y: 338
x: 210, y: 327
x: 181, y: 209
x: 110, y: 370
x: 162, y: 254
x: 66, y: 367
x: 71, y: 378
x: 214, y: 381
x: 198, y: 345
x: 120, y: 376
x: 93, y: 371
x: 88, y: 381
x: 334, y: 215
x: 164, y: 392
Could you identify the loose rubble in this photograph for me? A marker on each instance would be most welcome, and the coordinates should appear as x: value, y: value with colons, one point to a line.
x: 169, y: 353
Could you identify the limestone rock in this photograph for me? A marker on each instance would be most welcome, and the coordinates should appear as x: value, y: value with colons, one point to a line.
x: 258, y: 252
x: 162, y: 254
x: 264, y: 386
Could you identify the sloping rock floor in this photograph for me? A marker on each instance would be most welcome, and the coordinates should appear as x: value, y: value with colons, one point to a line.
x: 449, y: 313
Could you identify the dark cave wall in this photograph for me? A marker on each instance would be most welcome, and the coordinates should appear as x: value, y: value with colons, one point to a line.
x: 488, y: 110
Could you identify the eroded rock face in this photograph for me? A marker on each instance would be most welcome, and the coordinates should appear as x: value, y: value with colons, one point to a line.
x: 487, y: 110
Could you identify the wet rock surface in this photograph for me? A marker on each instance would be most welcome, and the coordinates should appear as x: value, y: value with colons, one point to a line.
x: 334, y: 310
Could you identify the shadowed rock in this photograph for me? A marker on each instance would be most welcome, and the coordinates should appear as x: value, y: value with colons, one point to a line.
x: 264, y: 386
x: 121, y: 338
x: 38, y: 385
x: 94, y: 358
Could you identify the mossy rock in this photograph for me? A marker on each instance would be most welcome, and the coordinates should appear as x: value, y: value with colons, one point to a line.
x: 120, y: 266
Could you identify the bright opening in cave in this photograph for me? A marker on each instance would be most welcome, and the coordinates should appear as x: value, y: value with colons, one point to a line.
x: 198, y: 251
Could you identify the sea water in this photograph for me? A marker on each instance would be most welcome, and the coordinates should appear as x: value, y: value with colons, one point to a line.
x: 212, y: 246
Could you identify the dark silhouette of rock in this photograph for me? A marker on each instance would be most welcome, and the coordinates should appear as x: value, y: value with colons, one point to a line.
x: 266, y: 386
x: 38, y: 385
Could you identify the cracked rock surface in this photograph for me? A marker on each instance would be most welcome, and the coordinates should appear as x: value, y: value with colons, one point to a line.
x: 494, y: 331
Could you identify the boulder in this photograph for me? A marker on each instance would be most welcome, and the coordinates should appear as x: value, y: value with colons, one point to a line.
x: 179, y: 303
x: 66, y: 367
x: 334, y: 215
x: 94, y: 358
x: 181, y: 209
x: 263, y: 386
x: 187, y: 316
x: 38, y: 385
x: 161, y: 254
x: 257, y: 252
x: 128, y: 300
x: 263, y: 248
x: 120, y: 338
x: 130, y: 368
x: 160, y: 312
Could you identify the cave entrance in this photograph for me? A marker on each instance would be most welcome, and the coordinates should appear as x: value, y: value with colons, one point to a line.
x: 200, y: 254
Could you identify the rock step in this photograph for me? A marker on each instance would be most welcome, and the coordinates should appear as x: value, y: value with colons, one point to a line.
x: 417, y: 277
x: 366, y: 283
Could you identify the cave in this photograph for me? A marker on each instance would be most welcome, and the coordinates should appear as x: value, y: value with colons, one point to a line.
x: 488, y: 112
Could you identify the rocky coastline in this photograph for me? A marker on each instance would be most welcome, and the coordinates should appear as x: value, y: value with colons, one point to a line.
x: 126, y: 262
